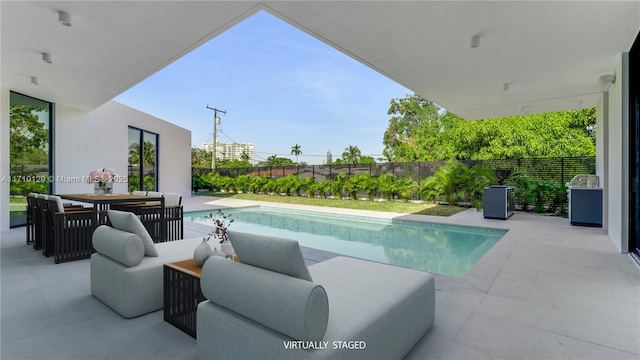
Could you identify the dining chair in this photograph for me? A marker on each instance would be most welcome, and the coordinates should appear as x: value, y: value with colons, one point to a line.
x: 174, y: 216
x: 69, y: 229
x: 32, y: 208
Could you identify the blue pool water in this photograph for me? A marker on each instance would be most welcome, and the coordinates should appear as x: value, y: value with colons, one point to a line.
x: 445, y: 249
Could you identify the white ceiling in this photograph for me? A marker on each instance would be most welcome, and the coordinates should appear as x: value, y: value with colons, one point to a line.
x: 550, y: 53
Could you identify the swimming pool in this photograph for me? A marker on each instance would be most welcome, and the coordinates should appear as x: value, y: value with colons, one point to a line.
x: 445, y: 249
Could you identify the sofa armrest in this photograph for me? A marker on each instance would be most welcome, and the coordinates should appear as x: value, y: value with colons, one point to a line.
x: 291, y: 306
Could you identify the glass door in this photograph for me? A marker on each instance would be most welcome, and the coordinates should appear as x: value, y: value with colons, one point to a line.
x: 143, y: 160
x: 30, y: 141
x: 634, y: 148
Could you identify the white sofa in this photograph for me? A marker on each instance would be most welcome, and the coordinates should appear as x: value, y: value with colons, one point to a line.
x: 270, y: 305
x: 343, y: 308
x: 127, y: 267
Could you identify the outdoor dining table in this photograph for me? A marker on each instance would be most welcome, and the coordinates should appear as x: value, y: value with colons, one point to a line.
x: 101, y: 203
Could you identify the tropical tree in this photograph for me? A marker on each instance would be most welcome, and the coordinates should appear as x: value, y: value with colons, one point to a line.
x: 367, y: 160
x: 428, y: 188
x: 199, y: 158
x: 256, y: 183
x: 336, y: 185
x: 295, y: 150
x: 148, y: 154
x: 449, y: 180
x: 26, y: 132
x: 233, y: 164
x: 351, y: 155
x: 274, y: 160
x: 476, y: 179
x: 306, y: 184
x: 385, y: 185
x: 320, y: 187
x: 406, y: 188
x: 412, y: 134
x: 419, y: 130
x: 28, y: 140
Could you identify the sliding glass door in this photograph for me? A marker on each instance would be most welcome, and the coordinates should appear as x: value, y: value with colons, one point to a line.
x: 143, y: 160
x: 634, y: 148
x: 30, y: 144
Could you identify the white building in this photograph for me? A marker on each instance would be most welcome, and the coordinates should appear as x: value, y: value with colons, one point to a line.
x: 232, y: 151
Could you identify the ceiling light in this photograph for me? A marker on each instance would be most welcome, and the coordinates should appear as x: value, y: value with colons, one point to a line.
x: 46, y: 57
x: 475, y: 41
x: 34, y: 80
x: 64, y: 18
x: 605, y: 81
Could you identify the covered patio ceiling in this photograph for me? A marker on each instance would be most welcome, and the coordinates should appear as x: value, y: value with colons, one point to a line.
x: 549, y: 54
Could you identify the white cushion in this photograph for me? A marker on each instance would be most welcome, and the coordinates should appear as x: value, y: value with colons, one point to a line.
x: 138, y: 192
x: 171, y: 199
x: 294, y: 307
x: 128, y: 221
x: 154, y: 194
x: 58, y: 202
x: 275, y: 254
x: 121, y: 246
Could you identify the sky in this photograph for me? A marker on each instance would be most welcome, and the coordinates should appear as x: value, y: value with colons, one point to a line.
x: 279, y: 86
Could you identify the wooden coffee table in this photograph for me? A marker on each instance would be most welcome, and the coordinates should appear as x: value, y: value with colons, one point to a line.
x: 182, y: 294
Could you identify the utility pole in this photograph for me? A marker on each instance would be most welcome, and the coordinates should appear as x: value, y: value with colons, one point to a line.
x: 216, y: 120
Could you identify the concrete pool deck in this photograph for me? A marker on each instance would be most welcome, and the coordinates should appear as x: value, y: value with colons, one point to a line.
x: 545, y: 290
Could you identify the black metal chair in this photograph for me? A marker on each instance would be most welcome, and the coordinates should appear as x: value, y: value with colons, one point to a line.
x: 32, y: 209
x: 174, y: 216
x: 40, y: 225
x: 69, y: 230
x: 168, y: 229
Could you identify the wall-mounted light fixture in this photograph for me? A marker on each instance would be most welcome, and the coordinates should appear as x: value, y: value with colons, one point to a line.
x: 64, y: 18
x: 34, y: 80
x: 505, y: 86
x: 605, y: 81
x: 46, y: 57
x: 475, y: 41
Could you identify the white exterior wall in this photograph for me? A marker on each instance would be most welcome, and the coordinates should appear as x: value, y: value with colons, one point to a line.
x: 4, y: 158
x: 602, y: 149
x: 87, y: 141
x: 617, y: 158
x: 84, y: 141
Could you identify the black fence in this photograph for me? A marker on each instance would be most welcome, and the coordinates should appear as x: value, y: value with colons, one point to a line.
x: 560, y: 170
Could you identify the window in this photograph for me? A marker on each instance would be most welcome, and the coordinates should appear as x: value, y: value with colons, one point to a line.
x: 30, y: 142
x: 143, y: 160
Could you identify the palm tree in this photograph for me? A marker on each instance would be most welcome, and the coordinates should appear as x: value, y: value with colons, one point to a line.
x: 148, y: 153
x: 295, y: 150
x: 351, y: 155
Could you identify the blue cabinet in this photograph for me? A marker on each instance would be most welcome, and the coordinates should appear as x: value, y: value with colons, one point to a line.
x: 585, y: 206
x: 498, y: 202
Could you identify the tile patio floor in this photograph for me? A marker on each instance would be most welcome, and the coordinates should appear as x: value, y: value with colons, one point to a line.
x: 547, y: 290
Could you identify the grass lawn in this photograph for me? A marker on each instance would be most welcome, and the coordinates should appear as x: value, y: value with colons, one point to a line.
x: 17, y: 203
x: 387, y: 206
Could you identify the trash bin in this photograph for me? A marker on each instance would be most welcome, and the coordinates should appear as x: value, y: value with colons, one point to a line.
x: 585, y: 201
x: 497, y: 202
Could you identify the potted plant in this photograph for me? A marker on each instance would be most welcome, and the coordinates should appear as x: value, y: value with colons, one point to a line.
x: 222, y: 223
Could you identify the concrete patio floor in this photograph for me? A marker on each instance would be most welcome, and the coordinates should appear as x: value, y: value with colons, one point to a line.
x: 546, y: 290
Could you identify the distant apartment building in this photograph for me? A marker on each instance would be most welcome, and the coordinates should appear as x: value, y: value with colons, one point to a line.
x: 234, y: 151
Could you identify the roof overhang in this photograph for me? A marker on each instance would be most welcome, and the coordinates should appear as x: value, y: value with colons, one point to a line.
x: 550, y: 54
